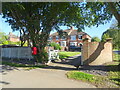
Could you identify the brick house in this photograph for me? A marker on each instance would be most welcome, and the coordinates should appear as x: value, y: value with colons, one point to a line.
x: 73, y: 40
x: 13, y: 38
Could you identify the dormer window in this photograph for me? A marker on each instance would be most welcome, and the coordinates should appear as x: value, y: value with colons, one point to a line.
x: 80, y: 37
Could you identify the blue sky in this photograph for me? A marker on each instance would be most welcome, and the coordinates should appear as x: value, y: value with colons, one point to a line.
x: 93, y: 31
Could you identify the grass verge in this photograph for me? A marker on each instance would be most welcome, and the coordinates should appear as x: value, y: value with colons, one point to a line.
x: 98, y: 81
x: 63, y: 55
x: 116, y: 57
x: 114, y: 77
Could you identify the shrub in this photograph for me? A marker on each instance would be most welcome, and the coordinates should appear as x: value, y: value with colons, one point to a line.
x: 55, y: 45
x: 95, y: 39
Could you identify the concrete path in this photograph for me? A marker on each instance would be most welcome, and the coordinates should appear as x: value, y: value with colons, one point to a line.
x: 51, y: 77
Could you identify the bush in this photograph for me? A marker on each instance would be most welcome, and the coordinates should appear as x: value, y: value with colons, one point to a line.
x: 5, y: 43
x: 55, y: 45
x: 95, y: 39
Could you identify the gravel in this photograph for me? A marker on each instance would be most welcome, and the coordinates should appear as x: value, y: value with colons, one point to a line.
x: 95, y: 72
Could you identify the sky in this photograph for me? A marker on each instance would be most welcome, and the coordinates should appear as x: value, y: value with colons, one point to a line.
x: 93, y: 31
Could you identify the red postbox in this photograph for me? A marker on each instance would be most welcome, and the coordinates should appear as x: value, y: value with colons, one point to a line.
x: 34, y: 50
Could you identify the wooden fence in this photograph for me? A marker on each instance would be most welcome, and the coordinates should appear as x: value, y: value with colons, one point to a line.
x: 25, y: 53
x: 17, y: 52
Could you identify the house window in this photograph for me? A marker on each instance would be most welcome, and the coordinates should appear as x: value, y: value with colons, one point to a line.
x: 73, y: 43
x: 57, y: 37
x: 80, y: 37
x: 63, y: 43
x: 73, y: 37
x: 63, y: 38
x: 50, y: 38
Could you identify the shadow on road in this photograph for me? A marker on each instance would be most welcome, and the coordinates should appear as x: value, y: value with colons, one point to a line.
x: 4, y: 82
x: 102, y: 68
x: 4, y: 68
x: 60, y: 68
x: 74, y: 61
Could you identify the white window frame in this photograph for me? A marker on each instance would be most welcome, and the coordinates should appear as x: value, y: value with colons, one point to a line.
x: 80, y: 37
x: 57, y: 37
x: 63, y: 43
x: 73, y: 37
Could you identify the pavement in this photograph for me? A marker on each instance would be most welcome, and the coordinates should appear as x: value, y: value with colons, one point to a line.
x: 52, y: 77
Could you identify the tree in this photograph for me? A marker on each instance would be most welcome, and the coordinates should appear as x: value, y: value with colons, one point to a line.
x: 114, y: 34
x: 37, y: 20
x: 103, y: 11
x: 95, y: 39
x: 3, y: 37
x: 105, y: 36
x: 4, y: 40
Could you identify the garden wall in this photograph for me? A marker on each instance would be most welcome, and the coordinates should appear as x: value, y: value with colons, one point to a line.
x: 96, y: 53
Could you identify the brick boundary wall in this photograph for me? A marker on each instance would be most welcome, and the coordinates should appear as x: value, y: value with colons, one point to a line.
x: 97, y: 53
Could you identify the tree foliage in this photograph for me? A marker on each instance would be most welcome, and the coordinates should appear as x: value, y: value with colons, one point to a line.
x: 95, y: 39
x: 55, y: 45
x: 38, y: 19
x: 4, y: 40
x: 114, y: 34
x: 3, y: 37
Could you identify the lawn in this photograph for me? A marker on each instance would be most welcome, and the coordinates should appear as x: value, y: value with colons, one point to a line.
x: 67, y: 54
x: 116, y: 57
x: 110, y: 81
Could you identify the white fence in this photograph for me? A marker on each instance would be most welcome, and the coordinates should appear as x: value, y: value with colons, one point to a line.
x: 53, y: 54
x: 25, y: 53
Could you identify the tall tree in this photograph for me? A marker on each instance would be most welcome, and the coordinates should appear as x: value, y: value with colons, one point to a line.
x: 38, y: 19
x: 114, y: 34
x: 103, y: 11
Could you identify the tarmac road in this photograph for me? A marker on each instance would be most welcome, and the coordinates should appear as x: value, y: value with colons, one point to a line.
x: 39, y: 78
x: 51, y: 77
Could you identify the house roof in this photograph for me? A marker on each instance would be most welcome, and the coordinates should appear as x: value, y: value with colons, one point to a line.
x: 71, y: 32
x: 12, y: 35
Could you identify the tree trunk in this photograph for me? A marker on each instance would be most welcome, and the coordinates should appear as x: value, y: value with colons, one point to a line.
x: 114, y: 11
x: 40, y: 43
